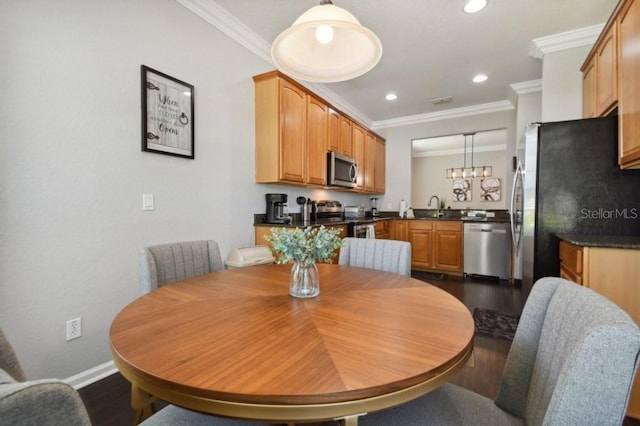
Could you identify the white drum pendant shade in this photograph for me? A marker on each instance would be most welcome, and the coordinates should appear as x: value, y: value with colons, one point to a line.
x: 348, y: 51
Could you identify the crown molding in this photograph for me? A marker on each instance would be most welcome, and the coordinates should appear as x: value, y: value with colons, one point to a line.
x: 444, y: 115
x: 567, y: 40
x: 525, y: 87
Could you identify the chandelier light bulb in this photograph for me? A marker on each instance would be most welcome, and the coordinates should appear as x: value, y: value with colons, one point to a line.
x: 324, y: 34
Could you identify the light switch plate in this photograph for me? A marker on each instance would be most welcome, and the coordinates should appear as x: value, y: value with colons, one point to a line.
x: 147, y: 202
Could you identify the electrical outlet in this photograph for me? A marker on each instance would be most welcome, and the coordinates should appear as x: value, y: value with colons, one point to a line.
x: 74, y: 328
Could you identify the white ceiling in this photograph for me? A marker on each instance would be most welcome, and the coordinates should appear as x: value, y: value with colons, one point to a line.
x: 432, y: 49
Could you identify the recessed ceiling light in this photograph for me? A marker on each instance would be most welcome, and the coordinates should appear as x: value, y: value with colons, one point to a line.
x: 474, y: 6
x: 480, y: 78
x: 391, y: 97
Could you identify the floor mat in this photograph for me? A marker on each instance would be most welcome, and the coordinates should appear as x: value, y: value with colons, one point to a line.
x: 490, y: 323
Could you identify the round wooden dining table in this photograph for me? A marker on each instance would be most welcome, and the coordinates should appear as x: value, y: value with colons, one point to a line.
x: 235, y: 343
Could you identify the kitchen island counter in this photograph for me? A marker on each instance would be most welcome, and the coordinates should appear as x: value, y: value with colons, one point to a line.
x: 603, y: 241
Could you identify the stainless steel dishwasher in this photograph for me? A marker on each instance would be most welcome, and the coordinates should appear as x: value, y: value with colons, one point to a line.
x: 487, y: 249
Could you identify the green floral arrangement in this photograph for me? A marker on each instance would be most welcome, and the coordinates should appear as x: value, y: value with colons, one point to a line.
x: 308, y: 245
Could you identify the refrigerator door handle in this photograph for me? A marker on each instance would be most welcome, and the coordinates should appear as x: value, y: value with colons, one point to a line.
x: 517, y: 180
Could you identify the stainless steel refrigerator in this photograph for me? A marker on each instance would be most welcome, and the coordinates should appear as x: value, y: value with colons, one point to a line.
x: 568, y: 181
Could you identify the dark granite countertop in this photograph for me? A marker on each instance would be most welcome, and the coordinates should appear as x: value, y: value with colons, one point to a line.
x: 604, y: 241
x: 327, y: 222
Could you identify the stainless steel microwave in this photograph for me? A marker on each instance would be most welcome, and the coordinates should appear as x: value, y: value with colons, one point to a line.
x: 341, y: 170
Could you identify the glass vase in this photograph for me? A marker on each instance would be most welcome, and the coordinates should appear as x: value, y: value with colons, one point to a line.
x: 304, y: 281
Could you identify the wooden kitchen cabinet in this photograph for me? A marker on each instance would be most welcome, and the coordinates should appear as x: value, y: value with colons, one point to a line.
x: 333, y: 131
x: 374, y: 164
x: 379, y: 171
x: 346, y: 136
x: 611, y: 79
x: 280, y: 120
x: 589, y: 91
x: 607, y: 71
x: 398, y: 229
x: 316, y: 141
x: 436, y: 244
x: 571, y: 262
x: 369, y: 165
x: 600, y: 76
x: 340, y: 133
x: 629, y: 84
x: 421, y: 237
x: 613, y: 273
x: 448, y: 246
x: 295, y: 129
x: 358, y: 141
x: 382, y: 230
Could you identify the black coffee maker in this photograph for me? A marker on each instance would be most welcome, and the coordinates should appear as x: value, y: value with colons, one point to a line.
x: 275, y: 208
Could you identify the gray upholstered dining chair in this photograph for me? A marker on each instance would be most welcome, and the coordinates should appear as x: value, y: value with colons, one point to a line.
x: 572, y: 362
x: 167, y: 263
x: 35, y: 402
x: 385, y: 255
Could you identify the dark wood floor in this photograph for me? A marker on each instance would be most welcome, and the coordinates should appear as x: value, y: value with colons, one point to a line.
x: 108, y: 401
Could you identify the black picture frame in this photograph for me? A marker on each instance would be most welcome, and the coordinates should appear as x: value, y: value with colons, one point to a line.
x: 167, y: 114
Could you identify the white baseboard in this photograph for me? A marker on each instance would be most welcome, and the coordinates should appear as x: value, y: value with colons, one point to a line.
x: 92, y: 375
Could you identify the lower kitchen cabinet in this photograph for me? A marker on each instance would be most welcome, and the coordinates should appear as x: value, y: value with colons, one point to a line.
x: 448, y: 247
x: 421, y: 238
x: 398, y: 230
x: 436, y: 244
x: 382, y: 230
x: 613, y: 273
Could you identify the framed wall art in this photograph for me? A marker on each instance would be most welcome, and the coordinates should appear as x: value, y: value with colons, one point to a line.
x: 167, y: 114
x: 461, y: 190
x: 490, y: 189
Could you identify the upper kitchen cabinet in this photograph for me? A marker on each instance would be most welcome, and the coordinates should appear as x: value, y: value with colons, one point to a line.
x: 600, y: 76
x: 333, y: 133
x: 379, y: 170
x: 629, y: 76
x: 295, y: 129
x: 369, y: 152
x: 610, y: 79
x: 358, y: 142
x: 374, y: 164
x: 369, y: 162
x: 316, y: 141
x: 340, y: 133
x: 589, y: 108
x: 346, y: 136
x: 281, y: 117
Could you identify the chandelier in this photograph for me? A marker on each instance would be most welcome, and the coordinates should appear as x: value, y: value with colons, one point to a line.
x: 465, y: 172
x: 326, y: 44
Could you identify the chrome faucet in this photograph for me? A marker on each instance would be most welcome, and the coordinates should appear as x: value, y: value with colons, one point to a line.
x: 437, y: 204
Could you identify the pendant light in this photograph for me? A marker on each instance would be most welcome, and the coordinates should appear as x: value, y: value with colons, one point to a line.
x: 465, y: 172
x: 326, y: 44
